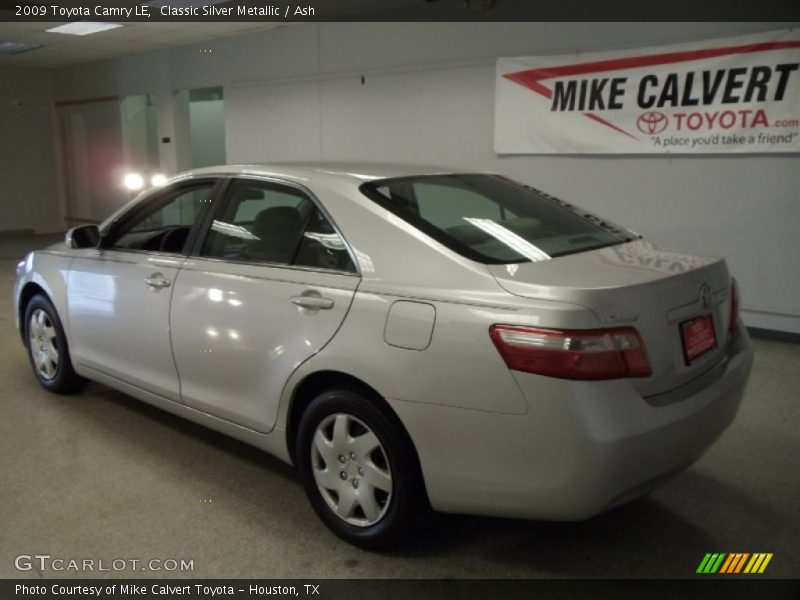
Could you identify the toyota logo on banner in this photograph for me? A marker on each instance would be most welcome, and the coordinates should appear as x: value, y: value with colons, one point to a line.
x: 652, y: 122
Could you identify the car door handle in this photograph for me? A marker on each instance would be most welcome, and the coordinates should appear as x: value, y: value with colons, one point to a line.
x: 314, y: 302
x: 157, y: 281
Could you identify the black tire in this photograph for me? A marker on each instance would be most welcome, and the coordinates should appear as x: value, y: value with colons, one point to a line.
x: 64, y: 380
x: 406, y: 502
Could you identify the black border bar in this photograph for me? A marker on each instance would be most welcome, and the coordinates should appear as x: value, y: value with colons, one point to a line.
x: 702, y: 587
x: 415, y: 10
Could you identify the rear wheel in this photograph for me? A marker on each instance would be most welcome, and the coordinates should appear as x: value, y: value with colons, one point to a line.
x: 358, y: 469
x: 47, y: 348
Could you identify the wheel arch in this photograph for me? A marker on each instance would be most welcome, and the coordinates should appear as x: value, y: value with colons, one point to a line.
x: 28, y: 291
x: 315, y: 383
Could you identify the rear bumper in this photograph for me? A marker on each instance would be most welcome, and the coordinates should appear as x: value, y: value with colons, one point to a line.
x: 581, y: 448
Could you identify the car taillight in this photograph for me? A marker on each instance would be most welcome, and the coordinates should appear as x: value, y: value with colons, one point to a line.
x: 734, y: 318
x: 573, y: 353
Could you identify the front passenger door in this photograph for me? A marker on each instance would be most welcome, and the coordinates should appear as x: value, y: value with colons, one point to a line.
x: 269, y: 288
x: 118, y: 295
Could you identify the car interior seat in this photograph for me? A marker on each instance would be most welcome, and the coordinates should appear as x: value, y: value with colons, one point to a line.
x: 278, y: 230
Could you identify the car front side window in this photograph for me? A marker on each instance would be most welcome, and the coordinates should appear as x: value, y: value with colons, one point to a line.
x: 166, y: 223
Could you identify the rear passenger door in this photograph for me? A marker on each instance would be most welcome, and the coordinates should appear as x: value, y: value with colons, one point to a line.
x: 267, y: 286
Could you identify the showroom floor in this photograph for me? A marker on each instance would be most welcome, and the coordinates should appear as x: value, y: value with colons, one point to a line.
x: 102, y: 476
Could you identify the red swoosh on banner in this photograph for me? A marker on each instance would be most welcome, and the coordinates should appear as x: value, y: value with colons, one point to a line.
x: 532, y: 78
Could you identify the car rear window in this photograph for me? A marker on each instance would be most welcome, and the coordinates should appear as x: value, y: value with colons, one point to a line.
x: 492, y: 219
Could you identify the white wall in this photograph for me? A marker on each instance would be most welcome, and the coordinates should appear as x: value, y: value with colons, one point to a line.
x: 296, y: 93
x: 28, y: 190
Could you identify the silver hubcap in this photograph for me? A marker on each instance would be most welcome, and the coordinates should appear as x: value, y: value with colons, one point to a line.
x: 42, y: 340
x: 351, y: 470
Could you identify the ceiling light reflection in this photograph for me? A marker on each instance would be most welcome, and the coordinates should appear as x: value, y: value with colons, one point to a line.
x: 509, y: 238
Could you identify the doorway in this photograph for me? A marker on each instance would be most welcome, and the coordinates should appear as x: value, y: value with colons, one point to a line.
x: 102, y: 139
x: 206, y: 127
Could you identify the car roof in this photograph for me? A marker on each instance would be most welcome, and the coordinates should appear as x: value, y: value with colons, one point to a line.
x: 358, y: 171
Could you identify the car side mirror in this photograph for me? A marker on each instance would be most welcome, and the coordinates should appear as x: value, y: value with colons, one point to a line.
x: 83, y: 236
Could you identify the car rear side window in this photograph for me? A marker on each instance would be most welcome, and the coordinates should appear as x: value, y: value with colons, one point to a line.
x: 492, y: 219
x: 274, y: 224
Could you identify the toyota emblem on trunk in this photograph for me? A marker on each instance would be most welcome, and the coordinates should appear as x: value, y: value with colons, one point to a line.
x: 705, y: 295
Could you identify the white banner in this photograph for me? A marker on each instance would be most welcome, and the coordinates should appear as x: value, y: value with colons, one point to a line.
x: 737, y: 94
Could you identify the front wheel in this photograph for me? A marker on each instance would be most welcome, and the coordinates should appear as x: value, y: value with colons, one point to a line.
x: 47, y: 348
x: 359, y: 470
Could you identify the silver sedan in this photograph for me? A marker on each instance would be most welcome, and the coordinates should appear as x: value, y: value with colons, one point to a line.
x: 407, y: 337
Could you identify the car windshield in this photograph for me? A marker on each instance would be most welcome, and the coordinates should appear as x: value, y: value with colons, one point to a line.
x: 492, y: 219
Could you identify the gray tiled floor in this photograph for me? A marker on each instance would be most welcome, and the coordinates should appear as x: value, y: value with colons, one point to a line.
x: 101, y: 475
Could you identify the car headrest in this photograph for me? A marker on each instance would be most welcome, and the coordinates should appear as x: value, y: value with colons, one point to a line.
x: 277, y: 219
x: 278, y: 230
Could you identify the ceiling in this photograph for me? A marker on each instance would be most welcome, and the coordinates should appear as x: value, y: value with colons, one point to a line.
x: 59, y: 49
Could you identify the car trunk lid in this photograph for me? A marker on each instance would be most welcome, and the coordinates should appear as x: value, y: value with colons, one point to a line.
x: 637, y: 284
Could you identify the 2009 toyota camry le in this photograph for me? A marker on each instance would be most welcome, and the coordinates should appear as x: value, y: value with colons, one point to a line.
x: 407, y: 337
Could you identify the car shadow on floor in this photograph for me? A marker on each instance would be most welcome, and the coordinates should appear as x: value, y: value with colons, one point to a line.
x: 664, y: 534
x: 193, y: 430
x: 628, y: 541
x: 645, y: 538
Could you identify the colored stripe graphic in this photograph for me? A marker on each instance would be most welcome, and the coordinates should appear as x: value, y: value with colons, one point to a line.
x: 711, y: 563
x: 758, y: 563
x: 716, y: 565
x: 741, y: 562
x: 732, y: 558
x: 765, y: 563
x: 734, y: 563
x: 703, y: 563
x: 727, y: 564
